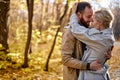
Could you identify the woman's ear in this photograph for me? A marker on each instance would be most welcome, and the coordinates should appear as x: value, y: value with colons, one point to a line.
x: 101, y: 23
x: 100, y: 26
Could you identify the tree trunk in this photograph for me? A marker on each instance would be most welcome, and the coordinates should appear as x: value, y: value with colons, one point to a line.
x: 30, y: 4
x: 4, y: 8
x: 60, y: 22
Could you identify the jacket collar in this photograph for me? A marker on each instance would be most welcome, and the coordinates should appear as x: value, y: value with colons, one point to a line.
x: 106, y: 31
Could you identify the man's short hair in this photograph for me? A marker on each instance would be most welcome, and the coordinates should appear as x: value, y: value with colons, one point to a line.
x: 82, y: 5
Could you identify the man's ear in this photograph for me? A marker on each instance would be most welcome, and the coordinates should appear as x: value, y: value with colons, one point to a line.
x: 79, y: 14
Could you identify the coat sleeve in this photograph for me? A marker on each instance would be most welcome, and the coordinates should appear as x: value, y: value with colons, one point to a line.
x: 68, y: 42
x: 90, y: 37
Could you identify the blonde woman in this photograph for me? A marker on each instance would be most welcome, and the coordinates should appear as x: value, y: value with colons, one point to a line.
x: 98, y: 40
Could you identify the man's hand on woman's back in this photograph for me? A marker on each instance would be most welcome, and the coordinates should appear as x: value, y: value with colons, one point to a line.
x: 95, y: 65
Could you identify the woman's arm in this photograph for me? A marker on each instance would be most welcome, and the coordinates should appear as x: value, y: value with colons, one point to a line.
x: 91, y: 37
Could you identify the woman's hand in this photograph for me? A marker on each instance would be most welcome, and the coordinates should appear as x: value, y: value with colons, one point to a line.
x: 74, y: 8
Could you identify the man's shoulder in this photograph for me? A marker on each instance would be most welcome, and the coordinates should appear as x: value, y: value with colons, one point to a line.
x: 67, y: 32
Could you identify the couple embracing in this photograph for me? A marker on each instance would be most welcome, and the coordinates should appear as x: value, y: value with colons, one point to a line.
x: 86, y: 44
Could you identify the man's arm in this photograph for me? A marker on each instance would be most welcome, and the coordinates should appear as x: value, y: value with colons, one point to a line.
x: 68, y: 43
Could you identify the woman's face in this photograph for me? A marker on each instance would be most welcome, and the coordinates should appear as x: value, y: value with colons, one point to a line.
x: 96, y: 24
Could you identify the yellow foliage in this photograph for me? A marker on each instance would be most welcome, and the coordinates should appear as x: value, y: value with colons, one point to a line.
x: 1, y: 46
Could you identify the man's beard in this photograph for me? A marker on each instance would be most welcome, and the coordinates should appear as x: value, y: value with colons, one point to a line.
x: 82, y: 22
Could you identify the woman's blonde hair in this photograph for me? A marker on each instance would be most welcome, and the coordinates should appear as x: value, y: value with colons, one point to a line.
x: 104, y: 16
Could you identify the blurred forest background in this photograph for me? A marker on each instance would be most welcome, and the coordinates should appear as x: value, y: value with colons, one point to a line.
x: 31, y: 34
